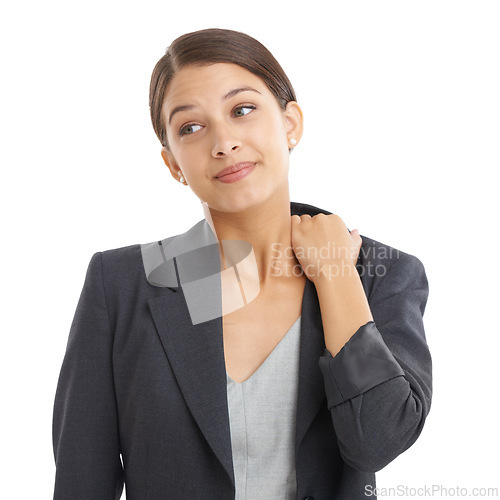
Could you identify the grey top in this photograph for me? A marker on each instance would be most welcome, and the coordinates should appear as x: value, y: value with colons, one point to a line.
x: 262, y: 416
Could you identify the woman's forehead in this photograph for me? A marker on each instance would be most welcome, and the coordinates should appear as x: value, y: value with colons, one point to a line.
x: 197, y: 82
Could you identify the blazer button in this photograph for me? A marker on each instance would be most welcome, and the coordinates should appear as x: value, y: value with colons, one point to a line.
x: 309, y: 498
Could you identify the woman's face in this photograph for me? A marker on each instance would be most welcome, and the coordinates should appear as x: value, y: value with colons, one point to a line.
x: 221, y: 114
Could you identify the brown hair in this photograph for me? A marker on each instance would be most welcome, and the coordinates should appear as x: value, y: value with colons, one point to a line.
x: 210, y: 46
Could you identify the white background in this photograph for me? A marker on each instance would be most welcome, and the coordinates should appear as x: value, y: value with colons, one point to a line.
x: 401, y: 107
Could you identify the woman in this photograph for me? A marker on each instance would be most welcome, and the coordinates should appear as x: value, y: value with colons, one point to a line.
x: 266, y: 352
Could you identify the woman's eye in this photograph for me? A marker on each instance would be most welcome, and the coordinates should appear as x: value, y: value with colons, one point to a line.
x: 189, y: 129
x: 239, y: 111
x: 243, y: 110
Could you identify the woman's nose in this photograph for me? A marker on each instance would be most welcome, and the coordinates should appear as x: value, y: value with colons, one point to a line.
x: 225, y: 142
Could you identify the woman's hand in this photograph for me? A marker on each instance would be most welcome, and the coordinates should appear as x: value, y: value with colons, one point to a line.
x: 324, y: 247
x: 327, y: 253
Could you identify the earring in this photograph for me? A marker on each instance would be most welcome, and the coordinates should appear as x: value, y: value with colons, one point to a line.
x: 181, y: 178
x: 293, y: 142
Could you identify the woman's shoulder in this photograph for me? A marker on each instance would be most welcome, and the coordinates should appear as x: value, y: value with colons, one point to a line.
x: 372, y: 252
x: 153, y: 261
x: 387, y: 269
x: 376, y: 253
x: 120, y: 265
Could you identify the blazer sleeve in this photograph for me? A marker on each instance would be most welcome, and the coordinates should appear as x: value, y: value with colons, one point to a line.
x: 85, y: 423
x: 379, y: 385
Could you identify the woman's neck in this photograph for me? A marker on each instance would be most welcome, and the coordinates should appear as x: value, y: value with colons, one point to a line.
x: 267, y: 227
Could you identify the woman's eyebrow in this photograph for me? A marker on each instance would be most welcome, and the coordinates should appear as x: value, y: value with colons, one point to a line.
x: 184, y: 107
x: 231, y: 93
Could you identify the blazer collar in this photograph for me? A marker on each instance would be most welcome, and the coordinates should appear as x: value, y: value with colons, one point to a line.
x: 199, y: 242
x: 196, y: 351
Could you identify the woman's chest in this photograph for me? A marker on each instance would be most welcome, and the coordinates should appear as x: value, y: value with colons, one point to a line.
x: 251, y: 333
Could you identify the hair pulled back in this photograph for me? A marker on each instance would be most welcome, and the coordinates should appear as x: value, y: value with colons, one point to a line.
x: 210, y: 46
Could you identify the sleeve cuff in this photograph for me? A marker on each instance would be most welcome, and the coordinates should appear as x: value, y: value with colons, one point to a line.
x: 364, y: 362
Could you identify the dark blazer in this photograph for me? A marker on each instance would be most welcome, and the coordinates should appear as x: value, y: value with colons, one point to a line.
x: 140, y: 380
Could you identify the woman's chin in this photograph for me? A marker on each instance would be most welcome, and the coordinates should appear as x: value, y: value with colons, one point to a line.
x: 238, y: 202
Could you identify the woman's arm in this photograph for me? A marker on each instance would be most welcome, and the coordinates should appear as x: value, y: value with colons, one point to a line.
x: 379, y: 384
x: 344, y: 306
x: 85, y: 422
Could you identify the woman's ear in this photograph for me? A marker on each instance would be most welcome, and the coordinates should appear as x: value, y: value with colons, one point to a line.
x: 294, y: 120
x: 170, y: 162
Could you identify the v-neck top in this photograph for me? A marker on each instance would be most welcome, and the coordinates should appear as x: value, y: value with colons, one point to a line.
x: 262, y: 416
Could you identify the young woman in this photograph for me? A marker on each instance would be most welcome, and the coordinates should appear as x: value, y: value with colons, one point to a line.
x: 268, y: 351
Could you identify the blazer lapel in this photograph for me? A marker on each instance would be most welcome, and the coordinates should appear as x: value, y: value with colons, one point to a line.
x: 195, y: 351
x: 196, y: 354
x: 311, y: 392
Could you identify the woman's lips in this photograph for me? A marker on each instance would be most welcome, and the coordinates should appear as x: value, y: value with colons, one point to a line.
x: 236, y: 172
